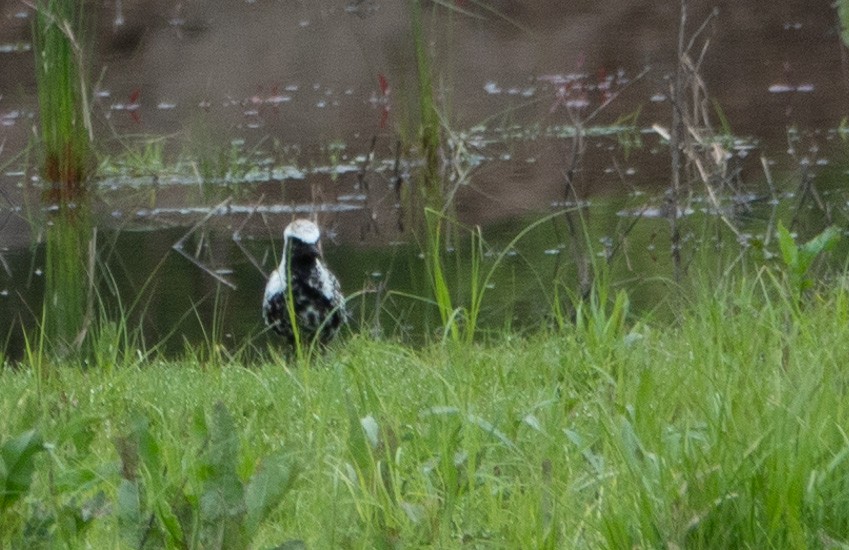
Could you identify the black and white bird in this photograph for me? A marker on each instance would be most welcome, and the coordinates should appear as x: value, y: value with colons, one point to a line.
x: 318, y: 303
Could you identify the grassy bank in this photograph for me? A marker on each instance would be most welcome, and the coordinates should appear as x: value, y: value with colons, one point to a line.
x: 725, y: 428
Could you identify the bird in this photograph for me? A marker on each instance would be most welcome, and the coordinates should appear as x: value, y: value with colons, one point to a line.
x: 317, y: 299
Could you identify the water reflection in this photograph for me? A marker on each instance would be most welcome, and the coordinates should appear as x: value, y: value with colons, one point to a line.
x: 68, y: 304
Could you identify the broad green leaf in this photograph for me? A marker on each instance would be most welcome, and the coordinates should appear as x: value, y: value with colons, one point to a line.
x: 823, y: 242
x: 148, y: 448
x: 489, y: 428
x: 18, y: 464
x: 76, y: 479
x: 128, y: 511
x: 81, y: 432
x: 266, y: 489
x: 222, y: 503
x: 788, y: 247
x: 170, y: 521
x: 222, y: 450
x: 358, y: 445
x: 809, y: 251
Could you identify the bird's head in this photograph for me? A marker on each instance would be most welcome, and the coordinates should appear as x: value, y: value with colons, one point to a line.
x: 301, y: 239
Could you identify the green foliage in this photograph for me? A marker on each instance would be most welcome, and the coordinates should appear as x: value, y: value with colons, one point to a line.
x: 17, y: 464
x: 720, y: 428
x: 140, y: 157
x: 204, y: 504
x: 436, y: 271
x: 460, y: 322
x: 798, y: 258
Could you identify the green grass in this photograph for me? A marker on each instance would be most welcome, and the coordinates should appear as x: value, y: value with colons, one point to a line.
x: 722, y: 429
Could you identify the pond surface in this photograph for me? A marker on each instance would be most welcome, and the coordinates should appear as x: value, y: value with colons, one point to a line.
x: 283, y: 108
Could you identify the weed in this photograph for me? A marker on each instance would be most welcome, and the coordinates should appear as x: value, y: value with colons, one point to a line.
x: 143, y: 156
x: 798, y: 258
x: 720, y: 428
x: 17, y: 465
x: 203, y: 506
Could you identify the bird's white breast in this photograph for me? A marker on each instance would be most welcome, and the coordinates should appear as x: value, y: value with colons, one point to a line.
x: 275, y: 285
x: 328, y: 285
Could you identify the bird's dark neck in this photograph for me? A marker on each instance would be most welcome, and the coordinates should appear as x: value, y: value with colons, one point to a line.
x: 300, y: 253
x: 302, y: 264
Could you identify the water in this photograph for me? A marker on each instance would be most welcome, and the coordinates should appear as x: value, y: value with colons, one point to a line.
x: 297, y: 109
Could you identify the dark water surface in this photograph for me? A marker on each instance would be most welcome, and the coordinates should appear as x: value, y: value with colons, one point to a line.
x: 275, y: 104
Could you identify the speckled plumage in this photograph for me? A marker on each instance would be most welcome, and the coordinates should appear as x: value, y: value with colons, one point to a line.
x: 319, y: 305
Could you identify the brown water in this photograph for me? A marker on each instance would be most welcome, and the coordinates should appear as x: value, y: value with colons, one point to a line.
x: 275, y: 103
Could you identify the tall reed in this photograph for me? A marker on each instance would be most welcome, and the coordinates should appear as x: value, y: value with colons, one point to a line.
x: 64, y: 116
x: 69, y: 284
x: 66, y: 135
x: 429, y: 134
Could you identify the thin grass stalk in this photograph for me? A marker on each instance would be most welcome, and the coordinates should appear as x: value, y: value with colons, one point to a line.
x: 436, y: 272
x: 476, y: 288
x: 115, y: 342
x: 480, y: 288
x: 290, y: 306
x: 675, y: 138
x: 34, y: 355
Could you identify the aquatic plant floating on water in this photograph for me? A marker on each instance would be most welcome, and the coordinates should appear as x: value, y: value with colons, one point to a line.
x: 302, y: 298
